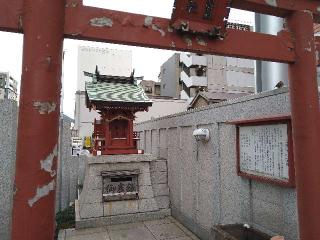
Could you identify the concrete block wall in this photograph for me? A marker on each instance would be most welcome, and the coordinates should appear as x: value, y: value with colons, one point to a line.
x: 70, y: 169
x: 8, y: 130
x: 159, y: 182
x: 72, y: 175
x: 205, y: 189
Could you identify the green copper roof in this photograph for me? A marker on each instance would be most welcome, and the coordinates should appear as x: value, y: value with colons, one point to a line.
x: 116, y: 92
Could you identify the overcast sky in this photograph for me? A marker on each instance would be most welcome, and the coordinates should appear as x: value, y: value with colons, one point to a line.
x: 146, y: 61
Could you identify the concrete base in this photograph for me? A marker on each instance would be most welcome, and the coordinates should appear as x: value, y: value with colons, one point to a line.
x: 118, y: 219
x: 153, y: 202
x: 164, y: 229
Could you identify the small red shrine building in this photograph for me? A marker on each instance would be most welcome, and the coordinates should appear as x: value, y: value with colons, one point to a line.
x: 117, y: 99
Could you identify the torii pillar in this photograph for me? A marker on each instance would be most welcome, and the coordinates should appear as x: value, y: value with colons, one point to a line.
x: 305, y: 124
x: 39, y: 111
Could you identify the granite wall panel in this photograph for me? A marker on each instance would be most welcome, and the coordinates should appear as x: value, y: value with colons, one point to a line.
x: 8, y: 130
x: 205, y: 189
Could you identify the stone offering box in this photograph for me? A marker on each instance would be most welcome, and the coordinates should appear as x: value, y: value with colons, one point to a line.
x: 123, y: 189
x: 238, y: 232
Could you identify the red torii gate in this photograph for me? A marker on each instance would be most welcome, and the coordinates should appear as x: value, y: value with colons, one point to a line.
x: 46, y: 23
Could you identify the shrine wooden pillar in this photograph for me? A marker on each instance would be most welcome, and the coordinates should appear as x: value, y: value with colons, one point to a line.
x: 39, y: 111
x: 306, y: 124
x: 107, y: 134
x: 130, y: 133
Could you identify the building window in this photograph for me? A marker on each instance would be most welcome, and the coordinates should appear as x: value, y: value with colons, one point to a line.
x: 200, y: 71
x: 148, y: 89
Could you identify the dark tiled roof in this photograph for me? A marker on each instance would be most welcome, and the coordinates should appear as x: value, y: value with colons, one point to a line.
x: 116, y: 92
x: 222, y: 95
x: 216, y: 96
x: 67, y: 118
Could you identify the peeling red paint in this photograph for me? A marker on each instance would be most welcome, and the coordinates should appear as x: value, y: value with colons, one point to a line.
x: 305, y: 122
x: 71, y: 19
x: 45, y: 107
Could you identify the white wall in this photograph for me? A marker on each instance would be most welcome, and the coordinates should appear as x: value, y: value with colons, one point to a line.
x: 83, y: 117
x: 230, y: 73
x: 110, y: 62
x: 240, y: 79
x: 160, y: 108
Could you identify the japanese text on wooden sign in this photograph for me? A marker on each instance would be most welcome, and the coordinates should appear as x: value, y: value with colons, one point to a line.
x: 264, y: 150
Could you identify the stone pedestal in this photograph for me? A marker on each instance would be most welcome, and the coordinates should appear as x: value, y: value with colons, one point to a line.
x: 152, y: 201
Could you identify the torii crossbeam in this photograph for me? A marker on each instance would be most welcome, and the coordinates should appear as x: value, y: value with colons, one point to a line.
x: 46, y: 23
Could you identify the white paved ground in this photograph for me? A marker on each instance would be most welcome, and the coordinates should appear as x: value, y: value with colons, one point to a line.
x: 163, y: 229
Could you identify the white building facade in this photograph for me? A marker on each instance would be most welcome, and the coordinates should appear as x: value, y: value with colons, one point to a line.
x: 161, y: 107
x: 8, y: 87
x: 110, y: 62
x: 187, y: 74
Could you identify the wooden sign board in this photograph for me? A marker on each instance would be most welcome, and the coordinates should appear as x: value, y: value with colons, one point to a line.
x: 264, y: 150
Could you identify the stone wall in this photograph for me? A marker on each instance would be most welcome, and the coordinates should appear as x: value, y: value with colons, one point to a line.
x: 8, y: 130
x: 205, y: 189
x: 70, y: 169
x: 159, y: 182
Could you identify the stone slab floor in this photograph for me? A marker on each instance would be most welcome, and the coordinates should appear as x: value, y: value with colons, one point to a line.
x: 163, y: 229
